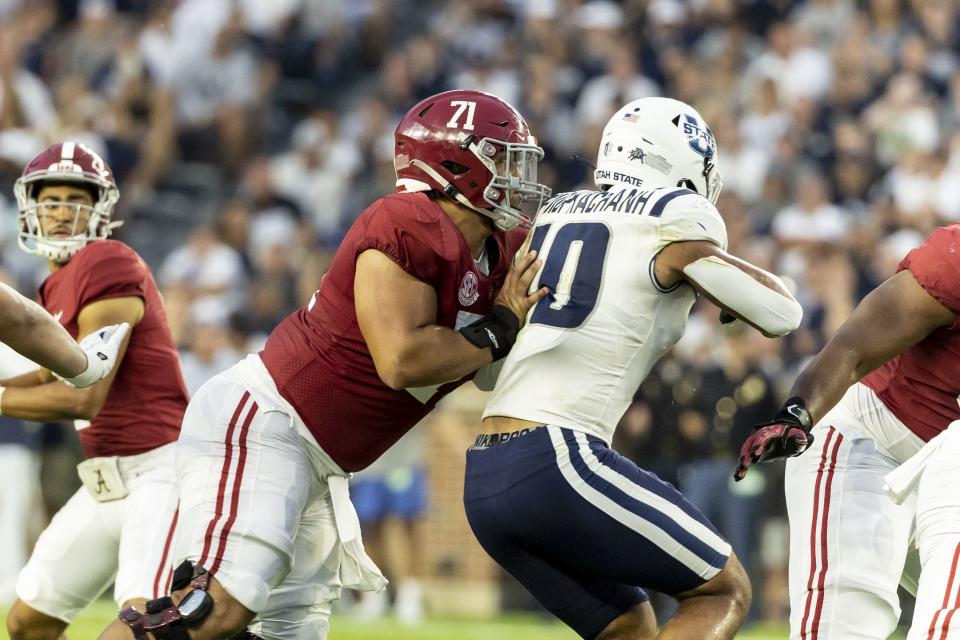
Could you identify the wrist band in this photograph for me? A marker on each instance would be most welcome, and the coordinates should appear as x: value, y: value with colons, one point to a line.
x: 2, y: 389
x: 497, y: 330
x: 796, y: 409
x: 90, y: 374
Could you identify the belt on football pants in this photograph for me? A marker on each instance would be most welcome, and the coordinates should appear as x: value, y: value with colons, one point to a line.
x: 487, y: 440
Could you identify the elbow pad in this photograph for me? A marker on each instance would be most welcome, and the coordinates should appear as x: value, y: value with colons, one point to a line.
x: 771, y: 311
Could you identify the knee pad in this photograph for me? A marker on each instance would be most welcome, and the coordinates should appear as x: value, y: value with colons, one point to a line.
x: 167, y: 621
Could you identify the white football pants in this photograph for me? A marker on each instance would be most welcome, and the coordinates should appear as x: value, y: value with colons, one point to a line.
x: 848, y: 538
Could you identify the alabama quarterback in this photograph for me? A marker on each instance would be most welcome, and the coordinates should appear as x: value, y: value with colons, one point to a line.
x: 118, y: 526
x: 422, y: 292
x: 583, y: 528
x: 882, y: 386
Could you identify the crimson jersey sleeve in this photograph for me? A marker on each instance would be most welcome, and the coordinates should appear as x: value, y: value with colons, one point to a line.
x: 936, y: 266
x: 407, y: 234
x: 112, y: 271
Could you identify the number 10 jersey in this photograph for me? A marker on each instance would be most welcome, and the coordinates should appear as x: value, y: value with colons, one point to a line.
x: 589, y: 344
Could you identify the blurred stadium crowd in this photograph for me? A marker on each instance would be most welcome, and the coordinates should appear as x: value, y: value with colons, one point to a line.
x: 247, y: 135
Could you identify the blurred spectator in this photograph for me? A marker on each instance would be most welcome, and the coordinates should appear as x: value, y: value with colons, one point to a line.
x: 216, y: 90
x: 825, y: 20
x: 209, y: 273
x: 25, y: 100
x: 89, y: 44
x: 316, y: 173
x: 208, y: 354
x: 902, y: 119
x: 258, y: 187
x: 765, y: 120
x: 621, y: 83
x: 744, y: 167
x: 812, y: 218
x: 799, y: 68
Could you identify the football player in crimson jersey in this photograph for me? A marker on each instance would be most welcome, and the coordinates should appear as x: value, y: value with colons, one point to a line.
x: 882, y: 386
x: 28, y: 329
x: 117, y: 528
x: 423, y: 291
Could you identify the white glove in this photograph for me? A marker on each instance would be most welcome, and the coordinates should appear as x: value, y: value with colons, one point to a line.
x: 101, y: 348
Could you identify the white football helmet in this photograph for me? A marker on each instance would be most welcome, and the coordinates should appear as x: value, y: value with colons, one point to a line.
x: 659, y: 142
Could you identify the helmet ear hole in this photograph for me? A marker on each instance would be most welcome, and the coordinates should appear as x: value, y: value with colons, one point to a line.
x: 454, y: 167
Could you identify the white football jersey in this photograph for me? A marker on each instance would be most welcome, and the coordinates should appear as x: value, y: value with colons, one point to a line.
x: 588, y: 345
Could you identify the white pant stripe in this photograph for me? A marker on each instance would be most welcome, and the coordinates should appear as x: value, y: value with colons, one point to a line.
x: 627, y: 518
x: 664, y: 506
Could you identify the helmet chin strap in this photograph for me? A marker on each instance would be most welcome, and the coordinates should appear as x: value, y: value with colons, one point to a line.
x: 451, y: 191
x: 60, y: 252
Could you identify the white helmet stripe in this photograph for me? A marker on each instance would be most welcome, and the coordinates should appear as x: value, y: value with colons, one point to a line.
x: 66, y: 151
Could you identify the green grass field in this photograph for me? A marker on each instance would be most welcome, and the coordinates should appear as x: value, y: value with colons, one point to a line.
x: 94, y: 619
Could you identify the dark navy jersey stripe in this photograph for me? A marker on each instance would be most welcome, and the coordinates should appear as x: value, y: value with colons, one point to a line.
x: 653, y: 278
x: 660, y: 204
x: 645, y: 511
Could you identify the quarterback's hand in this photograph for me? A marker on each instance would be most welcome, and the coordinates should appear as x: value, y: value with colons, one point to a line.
x: 101, y: 348
x: 787, y: 435
x: 513, y: 295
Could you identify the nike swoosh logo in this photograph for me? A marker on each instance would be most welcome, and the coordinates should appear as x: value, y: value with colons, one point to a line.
x: 796, y: 412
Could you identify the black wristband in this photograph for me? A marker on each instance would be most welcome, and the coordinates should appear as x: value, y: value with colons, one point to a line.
x: 795, y: 412
x: 497, y: 330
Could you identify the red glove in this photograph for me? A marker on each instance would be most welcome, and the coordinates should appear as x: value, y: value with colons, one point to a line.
x: 787, y: 435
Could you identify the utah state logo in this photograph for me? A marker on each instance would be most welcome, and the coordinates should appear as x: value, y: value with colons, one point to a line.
x: 699, y: 136
x: 469, y: 289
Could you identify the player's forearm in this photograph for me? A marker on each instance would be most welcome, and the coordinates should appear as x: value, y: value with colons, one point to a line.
x: 50, y: 346
x: 29, y: 379
x: 826, y: 378
x: 30, y: 330
x: 431, y: 355
x: 894, y: 316
x: 50, y: 401
x: 748, y: 292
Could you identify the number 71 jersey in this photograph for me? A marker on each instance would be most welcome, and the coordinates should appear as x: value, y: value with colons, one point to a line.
x: 589, y: 344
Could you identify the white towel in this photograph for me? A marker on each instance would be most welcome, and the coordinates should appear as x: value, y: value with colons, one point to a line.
x: 902, y: 481
x: 357, y: 570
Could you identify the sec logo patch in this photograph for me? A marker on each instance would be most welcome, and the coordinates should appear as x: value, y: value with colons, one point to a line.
x: 469, y: 289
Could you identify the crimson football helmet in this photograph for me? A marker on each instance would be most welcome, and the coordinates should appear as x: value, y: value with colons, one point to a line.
x: 65, y: 163
x: 475, y: 148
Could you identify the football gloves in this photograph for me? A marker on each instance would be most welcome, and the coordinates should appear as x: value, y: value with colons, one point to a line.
x: 101, y: 348
x: 787, y: 435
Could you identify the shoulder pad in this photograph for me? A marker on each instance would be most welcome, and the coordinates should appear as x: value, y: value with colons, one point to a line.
x: 685, y: 215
